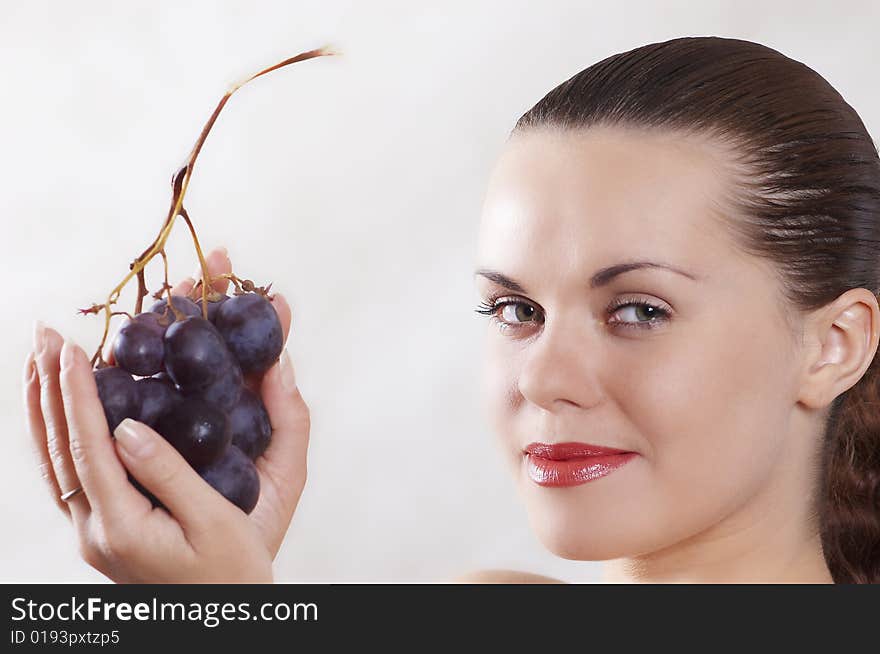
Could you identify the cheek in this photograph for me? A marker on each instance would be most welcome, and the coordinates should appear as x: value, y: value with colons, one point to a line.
x: 499, y: 378
x: 712, y: 408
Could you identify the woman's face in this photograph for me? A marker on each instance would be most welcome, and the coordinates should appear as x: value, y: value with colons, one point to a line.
x: 700, y: 385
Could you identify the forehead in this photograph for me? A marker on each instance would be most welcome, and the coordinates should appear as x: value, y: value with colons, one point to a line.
x: 586, y: 197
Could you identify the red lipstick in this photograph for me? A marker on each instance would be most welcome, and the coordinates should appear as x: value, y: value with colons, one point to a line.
x: 570, y: 464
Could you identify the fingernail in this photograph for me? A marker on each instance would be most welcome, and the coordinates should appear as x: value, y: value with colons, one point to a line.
x: 30, y: 370
x: 39, y: 336
x: 67, y: 355
x: 133, y: 438
x: 198, y: 271
x: 288, y: 377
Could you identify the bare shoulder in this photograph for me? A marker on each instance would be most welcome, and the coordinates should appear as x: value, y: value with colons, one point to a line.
x: 504, y: 577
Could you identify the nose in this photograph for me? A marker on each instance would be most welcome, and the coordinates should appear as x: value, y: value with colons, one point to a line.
x: 562, y: 367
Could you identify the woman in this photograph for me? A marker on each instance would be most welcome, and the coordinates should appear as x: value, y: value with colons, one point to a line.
x: 680, y: 259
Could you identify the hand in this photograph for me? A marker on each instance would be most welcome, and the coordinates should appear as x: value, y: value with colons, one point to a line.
x: 201, y: 537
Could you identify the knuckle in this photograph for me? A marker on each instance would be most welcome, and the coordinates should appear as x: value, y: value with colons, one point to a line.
x: 47, y: 363
x: 78, y: 449
x: 57, y: 456
x: 46, y: 472
x: 47, y: 379
x: 302, y: 411
x: 31, y: 386
x: 90, y: 553
x: 115, y: 544
x: 300, y: 477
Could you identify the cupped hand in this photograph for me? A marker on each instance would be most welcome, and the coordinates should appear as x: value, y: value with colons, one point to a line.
x: 200, y: 536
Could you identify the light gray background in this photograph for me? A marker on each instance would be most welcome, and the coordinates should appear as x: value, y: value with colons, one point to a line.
x: 354, y: 184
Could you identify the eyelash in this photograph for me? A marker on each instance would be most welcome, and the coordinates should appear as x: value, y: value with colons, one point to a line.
x: 491, y: 307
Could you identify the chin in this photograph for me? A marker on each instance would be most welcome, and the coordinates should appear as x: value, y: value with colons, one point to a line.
x: 579, y: 547
x: 572, y: 533
x: 583, y: 531
x: 577, y: 539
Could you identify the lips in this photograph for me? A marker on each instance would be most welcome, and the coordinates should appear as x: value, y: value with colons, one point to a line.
x: 572, y: 463
x: 563, y: 451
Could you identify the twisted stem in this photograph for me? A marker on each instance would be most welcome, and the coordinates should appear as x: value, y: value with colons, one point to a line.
x: 179, y: 184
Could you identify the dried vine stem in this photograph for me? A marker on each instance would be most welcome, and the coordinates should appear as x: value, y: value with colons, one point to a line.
x: 179, y: 184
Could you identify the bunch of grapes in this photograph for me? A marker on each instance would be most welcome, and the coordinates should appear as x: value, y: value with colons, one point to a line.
x: 183, y: 375
x: 181, y: 368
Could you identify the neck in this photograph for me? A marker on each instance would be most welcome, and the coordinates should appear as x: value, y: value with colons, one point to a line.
x: 773, y: 538
x: 802, y: 564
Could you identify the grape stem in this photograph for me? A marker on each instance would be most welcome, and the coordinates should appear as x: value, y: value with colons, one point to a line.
x: 242, y: 286
x: 179, y: 183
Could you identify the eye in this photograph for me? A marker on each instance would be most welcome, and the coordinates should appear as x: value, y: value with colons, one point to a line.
x: 520, y: 313
x: 635, y: 308
x: 634, y: 313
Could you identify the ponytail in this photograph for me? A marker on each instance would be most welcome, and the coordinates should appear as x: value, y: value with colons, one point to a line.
x: 850, y: 505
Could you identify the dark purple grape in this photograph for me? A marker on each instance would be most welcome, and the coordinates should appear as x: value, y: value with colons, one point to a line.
x: 138, y: 346
x: 118, y: 394
x: 181, y: 303
x: 235, y: 477
x: 249, y: 421
x: 198, y: 430
x: 224, y: 391
x: 195, y: 354
x: 212, y: 306
x: 158, y: 396
x: 252, y: 331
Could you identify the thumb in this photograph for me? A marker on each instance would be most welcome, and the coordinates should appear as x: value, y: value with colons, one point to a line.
x: 162, y: 470
x: 107, y: 352
x: 284, y: 461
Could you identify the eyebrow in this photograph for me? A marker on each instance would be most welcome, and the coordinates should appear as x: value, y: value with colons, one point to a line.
x: 600, y: 278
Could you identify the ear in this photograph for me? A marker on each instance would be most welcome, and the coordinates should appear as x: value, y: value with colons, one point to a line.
x: 840, y: 341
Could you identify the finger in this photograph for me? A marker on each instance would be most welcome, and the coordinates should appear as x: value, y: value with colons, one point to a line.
x: 107, y: 351
x: 37, y: 429
x: 218, y: 263
x: 282, y: 466
x: 255, y: 380
x: 99, y: 470
x: 183, y: 287
x: 161, y: 469
x: 282, y: 308
x: 48, y: 344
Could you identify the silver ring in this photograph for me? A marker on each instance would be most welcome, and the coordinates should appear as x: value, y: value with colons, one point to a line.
x: 69, y: 494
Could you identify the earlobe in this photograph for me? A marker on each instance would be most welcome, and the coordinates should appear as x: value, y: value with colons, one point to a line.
x: 842, y: 340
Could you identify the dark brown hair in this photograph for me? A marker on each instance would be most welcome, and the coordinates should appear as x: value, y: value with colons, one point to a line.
x: 807, y: 198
